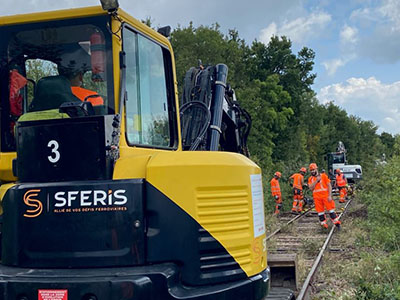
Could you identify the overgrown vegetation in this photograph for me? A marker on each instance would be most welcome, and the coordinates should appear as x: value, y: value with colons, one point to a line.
x: 379, y: 267
x: 368, y: 266
x: 290, y: 127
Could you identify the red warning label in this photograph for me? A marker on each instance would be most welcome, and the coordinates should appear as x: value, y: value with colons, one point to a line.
x: 52, y: 294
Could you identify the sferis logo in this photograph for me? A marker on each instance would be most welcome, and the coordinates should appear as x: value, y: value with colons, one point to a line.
x: 35, y: 204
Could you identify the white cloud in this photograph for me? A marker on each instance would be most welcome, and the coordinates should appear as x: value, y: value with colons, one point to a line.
x: 391, y: 10
x: 268, y: 32
x: 369, y: 99
x: 298, y: 30
x: 332, y: 65
x: 348, y: 35
x: 379, y: 31
x: 365, y: 15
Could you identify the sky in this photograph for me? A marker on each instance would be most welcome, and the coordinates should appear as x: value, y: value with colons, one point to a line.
x: 356, y: 42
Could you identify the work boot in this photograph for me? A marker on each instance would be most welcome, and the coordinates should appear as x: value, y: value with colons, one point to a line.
x: 324, y: 225
x: 337, y: 222
x: 342, y: 201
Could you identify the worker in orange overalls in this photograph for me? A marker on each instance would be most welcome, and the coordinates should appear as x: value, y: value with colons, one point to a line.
x: 341, y: 183
x: 276, y: 192
x: 82, y: 93
x: 297, y: 182
x: 322, y: 194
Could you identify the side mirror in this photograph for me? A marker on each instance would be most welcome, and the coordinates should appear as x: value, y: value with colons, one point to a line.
x: 77, y: 109
x: 109, y: 5
x: 165, y: 31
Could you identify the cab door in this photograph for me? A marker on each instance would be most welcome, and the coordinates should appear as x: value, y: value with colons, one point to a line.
x: 150, y: 108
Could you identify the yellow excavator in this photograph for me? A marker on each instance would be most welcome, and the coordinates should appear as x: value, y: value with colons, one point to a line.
x: 109, y: 189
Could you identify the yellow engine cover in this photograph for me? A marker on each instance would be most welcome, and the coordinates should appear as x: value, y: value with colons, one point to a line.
x: 223, y: 193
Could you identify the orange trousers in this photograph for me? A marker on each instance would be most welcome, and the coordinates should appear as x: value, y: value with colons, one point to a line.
x: 322, y: 204
x: 342, y: 194
x: 278, y: 204
x: 297, y: 200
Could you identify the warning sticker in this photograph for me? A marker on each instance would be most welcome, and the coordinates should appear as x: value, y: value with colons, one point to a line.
x: 52, y: 294
x: 258, y: 205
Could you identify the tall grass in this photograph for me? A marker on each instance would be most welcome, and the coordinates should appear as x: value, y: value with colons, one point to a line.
x: 379, y: 266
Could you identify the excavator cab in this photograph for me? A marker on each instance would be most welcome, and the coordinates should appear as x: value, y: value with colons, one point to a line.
x: 98, y: 198
x: 41, y: 65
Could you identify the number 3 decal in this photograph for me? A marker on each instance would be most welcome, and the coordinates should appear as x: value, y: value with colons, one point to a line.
x: 55, y: 154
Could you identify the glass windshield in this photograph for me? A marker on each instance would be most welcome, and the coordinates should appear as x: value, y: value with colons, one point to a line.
x: 338, y: 158
x: 47, y: 64
x: 148, y: 78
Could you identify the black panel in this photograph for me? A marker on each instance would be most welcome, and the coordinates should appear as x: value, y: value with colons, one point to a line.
x: 64, y: 149
x: 153, y: 282
x: 89, y: 224
x: 173, y: 235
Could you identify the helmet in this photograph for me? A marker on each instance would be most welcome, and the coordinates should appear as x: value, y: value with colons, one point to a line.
x: 338, y: 171
x: 73, y: 61
x: 304, y: 170
x: 313, y: 166
x: 278, y: 174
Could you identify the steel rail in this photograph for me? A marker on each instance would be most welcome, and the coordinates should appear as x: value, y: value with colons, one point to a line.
x: 305, y: 290
x: 289, y: 222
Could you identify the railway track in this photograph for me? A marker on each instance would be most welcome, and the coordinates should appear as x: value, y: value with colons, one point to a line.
x: 295, y: 252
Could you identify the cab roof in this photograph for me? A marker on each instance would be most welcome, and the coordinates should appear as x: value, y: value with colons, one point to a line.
x: 77, y: 13
x: 52, y: 15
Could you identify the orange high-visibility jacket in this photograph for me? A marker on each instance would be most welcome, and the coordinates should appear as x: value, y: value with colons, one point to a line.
x: 340, y: 181
x: 321, y: 189
x: 275, y: 187
x: 297, y: 179
x: 82, y: 93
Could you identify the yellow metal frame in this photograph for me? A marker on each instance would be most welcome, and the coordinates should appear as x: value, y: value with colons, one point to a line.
x: 214, y: 188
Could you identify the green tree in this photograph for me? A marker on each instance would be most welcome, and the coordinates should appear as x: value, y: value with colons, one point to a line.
x: 290, y: 127
x: 267, y: 103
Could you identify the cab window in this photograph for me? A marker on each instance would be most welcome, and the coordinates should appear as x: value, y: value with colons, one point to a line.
x: 148, y: 105
x: 44, y: 65
x: 35, y: 70
x: 50, y: 66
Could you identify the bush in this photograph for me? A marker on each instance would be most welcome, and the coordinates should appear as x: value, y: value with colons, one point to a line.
x: 381, y: 194
x: 378, y: 270
x: 368, y: 291
x: 378, y: 276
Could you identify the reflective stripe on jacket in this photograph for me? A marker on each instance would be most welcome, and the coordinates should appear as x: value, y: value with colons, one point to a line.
x: 275, y: 188
x: 321, y: 189
x: 340, y: 181
x: 297, y: 178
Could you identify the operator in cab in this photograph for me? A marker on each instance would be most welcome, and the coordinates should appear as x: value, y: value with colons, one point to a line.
x: 74, y: 68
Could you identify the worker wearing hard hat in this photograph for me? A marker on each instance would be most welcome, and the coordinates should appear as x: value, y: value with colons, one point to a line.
x: 73, y: 66
x: 322, y: 194
x: 297, y: 183
x: 276, y: 192
x: 341, y: 183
